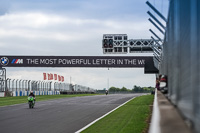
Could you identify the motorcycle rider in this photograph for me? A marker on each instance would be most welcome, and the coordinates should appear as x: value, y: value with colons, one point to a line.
x: 33, y: 95
x: 106, y: 92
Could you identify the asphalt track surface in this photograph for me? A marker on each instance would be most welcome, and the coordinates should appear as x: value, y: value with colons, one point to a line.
x: 66, y: 115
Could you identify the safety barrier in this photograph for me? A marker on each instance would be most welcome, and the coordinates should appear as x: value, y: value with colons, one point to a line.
x: 28, y: 85
x: 20, y: 87
x: 26, y: 93
x: 180, y: 61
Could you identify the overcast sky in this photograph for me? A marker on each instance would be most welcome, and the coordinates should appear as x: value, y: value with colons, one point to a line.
x: 75, y: 28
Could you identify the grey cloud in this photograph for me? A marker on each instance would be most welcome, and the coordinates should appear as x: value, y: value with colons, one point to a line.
x: 80, y: 35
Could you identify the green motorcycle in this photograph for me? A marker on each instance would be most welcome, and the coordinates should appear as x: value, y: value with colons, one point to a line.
x: 31, y: 102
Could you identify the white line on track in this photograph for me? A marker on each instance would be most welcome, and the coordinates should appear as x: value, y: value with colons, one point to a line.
x: 102, y: 117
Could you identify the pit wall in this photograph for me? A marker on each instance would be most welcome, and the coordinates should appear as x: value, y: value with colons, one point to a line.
x: 181, y: 59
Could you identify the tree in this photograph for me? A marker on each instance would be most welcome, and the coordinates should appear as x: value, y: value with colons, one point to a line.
x: 124, y: 89
x: 112, y: 89
x: 140, y: 89
x: 136, y: 88
x: 117, y: 89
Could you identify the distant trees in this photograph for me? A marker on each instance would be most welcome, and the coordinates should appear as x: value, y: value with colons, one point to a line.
x: 135, y: 89
x: 115, y: 89
x: 124, y: 89
x: 139, y: 89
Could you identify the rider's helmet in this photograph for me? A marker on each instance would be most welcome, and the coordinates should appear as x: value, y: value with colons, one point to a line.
x: 31, y: 92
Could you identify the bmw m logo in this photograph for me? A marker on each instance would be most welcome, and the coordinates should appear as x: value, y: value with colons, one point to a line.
x: 4, y: 61
x: 17, y: 61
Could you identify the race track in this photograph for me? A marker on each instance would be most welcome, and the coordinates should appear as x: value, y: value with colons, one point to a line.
x: 58, y: 116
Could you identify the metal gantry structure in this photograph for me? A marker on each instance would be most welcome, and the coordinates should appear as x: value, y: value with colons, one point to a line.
x: 119, y: 44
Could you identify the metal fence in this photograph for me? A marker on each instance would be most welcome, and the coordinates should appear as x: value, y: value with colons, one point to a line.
x: 2, y: 79
x: 32, y: 85
x: 180, y: 60
x: 27, y: 85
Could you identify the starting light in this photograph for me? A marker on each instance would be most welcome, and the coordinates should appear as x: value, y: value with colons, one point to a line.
x: 115, y: 43
x: 110, y: 43
x: 105, y: 43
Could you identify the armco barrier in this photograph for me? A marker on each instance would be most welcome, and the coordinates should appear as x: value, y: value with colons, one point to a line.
x: 37, y: 93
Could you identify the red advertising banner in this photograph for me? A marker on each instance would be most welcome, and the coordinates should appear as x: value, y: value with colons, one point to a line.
x: 62, y: 77
x: 45, y: 76
x: 59, y: 78
x: 55, y: 76
x: 49, y: 76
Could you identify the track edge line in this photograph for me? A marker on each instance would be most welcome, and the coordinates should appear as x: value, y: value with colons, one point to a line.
x: 103, y: 116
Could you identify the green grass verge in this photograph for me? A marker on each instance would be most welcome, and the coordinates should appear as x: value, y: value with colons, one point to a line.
x: 4, y: 101
x: 130, y: 118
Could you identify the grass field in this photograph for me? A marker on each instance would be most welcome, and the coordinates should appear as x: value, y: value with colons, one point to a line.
x: 131, y: 118
x: 4, y: 101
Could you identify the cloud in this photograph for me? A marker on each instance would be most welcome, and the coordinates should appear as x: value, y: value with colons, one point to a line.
x: 96, y: 78
x: 49, y: 32
x: 23, y: 23
x: 72, y: 33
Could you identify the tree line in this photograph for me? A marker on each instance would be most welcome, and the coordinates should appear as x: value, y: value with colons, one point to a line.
x: 135, y: 89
